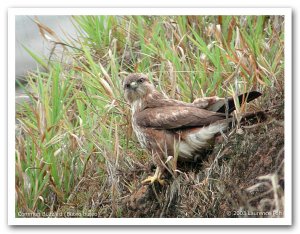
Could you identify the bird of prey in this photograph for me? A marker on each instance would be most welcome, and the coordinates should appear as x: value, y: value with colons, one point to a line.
x: 168, y: 127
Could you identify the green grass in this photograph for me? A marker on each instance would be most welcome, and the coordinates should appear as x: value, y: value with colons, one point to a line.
x: 74, y: 137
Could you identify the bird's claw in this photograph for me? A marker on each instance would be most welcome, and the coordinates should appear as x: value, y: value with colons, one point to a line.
x: 152, y: 179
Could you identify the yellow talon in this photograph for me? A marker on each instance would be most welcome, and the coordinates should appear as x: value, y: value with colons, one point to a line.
x: 155, y: 177
x: 152, y: 179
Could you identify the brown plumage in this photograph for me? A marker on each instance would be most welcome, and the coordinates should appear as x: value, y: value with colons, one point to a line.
x: 168, y: 127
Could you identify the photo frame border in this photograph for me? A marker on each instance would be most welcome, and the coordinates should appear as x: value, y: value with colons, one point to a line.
x: 286, y: 12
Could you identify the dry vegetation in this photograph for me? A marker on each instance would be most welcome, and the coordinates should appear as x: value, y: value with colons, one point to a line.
x: 76, y: 155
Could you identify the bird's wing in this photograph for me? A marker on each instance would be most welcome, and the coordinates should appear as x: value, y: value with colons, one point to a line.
x: 175, y: 117
x: 220, y: 106
x: 214, y: 104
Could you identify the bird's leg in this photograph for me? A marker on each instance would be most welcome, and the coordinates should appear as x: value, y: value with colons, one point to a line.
x: 155, y: 177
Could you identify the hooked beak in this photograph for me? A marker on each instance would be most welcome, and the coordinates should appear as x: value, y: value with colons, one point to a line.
x: 133, y: 85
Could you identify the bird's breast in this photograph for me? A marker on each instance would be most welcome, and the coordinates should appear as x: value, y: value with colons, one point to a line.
x: 140, y: 133
x: 136, y: 106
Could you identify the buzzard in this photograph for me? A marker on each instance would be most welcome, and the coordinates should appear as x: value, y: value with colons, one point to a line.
x: 168, y: 127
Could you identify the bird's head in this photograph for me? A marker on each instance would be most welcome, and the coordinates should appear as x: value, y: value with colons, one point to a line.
x: 136, y: 86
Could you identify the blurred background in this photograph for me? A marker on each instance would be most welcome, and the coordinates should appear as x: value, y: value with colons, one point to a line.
x: 28, y: 35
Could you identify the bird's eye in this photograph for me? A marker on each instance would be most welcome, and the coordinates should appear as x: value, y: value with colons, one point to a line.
x: 127, y: 86
x: 141, y: 80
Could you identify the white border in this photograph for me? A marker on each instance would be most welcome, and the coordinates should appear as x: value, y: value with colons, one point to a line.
x: 12, y: 12
x: 150, y: 11
x: 288, y: 115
